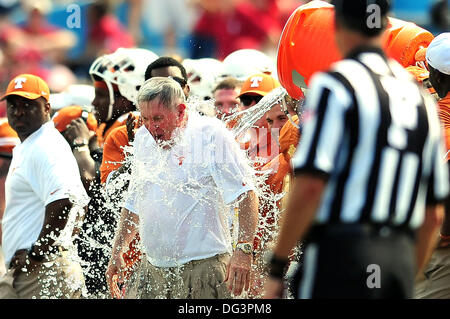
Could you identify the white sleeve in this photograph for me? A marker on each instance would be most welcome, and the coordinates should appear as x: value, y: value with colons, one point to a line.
x: 54, y: 175
x: 130, y: 202
x: 130, y: 198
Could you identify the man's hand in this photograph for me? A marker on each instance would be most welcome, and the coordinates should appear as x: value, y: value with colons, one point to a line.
x: 273, y: 288
x: 127, y: 230
x: 238, y: 272
x: 77, y: 128
x: 115, y: 275
x: 22, y: 263
x: 132, y: 123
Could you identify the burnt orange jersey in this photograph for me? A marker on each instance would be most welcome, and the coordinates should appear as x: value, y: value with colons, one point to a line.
x: 280, y: 167
x: 102, y: 134
x: 113, y: 148
x: 113, y: 152
x: 113, y: 158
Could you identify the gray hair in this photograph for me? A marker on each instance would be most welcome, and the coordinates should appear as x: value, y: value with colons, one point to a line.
x: 166, y: 90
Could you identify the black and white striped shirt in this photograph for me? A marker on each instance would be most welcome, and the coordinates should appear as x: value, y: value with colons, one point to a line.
x: 375, y: 135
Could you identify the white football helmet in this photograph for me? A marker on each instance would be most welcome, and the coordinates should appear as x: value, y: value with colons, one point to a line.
x: 202, y: 76
x: 243, y: 63
x: 125, y: 68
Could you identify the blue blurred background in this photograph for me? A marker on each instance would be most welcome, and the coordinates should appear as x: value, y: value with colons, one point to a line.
x: 180, y: 28
x: 418, y: 11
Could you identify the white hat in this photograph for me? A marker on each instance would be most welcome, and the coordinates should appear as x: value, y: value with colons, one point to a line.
x: 438, y: 53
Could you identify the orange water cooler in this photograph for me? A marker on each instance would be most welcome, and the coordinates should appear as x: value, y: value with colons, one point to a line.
x: 307, y: 44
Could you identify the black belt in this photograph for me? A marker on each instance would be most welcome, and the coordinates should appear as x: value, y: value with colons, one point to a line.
x: 378, y: 230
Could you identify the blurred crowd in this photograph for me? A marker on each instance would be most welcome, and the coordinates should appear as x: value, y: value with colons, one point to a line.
x: 46, y: 38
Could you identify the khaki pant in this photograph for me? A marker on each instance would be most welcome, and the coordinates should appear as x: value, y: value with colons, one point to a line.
x: 435, y: 282
x: 59, y: 278
x: 198, y: 279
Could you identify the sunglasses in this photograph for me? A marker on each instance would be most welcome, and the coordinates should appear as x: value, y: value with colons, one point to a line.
x: 180, y: 81
x: 247, y: 100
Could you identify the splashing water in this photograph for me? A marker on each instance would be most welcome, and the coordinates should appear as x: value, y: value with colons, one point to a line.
x: 248, y: 117
x: 100, y: 232
x: 53, y: 268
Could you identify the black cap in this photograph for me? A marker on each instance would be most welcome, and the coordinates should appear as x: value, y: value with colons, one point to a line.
x: 365, y: 16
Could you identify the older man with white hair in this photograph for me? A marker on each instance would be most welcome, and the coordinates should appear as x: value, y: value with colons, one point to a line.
x: 187, y: 169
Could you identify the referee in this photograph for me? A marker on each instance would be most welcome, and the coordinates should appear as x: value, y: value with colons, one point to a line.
x: 369, y: 172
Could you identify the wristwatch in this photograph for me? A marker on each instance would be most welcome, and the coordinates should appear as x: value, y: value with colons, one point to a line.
x: 79, y: 142
x: 276, y: 266
x: 247, y: 248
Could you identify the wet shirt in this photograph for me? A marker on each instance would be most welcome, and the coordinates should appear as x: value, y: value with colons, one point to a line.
x: 182, y: 194
x: 43, y: 170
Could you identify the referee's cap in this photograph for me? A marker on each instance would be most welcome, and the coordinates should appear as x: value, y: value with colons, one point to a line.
x: 363, y: 15
x: 438, y: 53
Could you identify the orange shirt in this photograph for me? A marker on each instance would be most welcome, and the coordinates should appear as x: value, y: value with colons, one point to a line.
x: 259, y: 145
x: 113, y: 153
x: 444, y: 116
x: 113, y: 157
x: 280, y: 166
x: 257, y: 142
x: 102, y: 134
x: 289, y: 138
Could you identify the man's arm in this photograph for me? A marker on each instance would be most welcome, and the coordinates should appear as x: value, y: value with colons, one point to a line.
x: 86, y: 164
x: 56, y: 216
x: 240, y: 263
x: 427, y: 235
x: 445, y: 229
x: 302, y: 205
x: 248, y: 217
x: 128, y: 228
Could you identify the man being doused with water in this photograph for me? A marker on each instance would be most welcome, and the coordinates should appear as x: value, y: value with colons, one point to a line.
x: 187, y: 170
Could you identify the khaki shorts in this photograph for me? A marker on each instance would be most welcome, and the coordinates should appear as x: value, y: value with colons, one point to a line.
x: 198, y: 279
x: 435, y: 282
x: 59, y: 278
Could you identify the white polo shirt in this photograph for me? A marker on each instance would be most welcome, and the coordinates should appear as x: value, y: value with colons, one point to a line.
x: 43, y: 170
x: 181, y: 195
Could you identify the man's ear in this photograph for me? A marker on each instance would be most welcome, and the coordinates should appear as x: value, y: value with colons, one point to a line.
x: 187, y: 90
x: 47, y: 108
